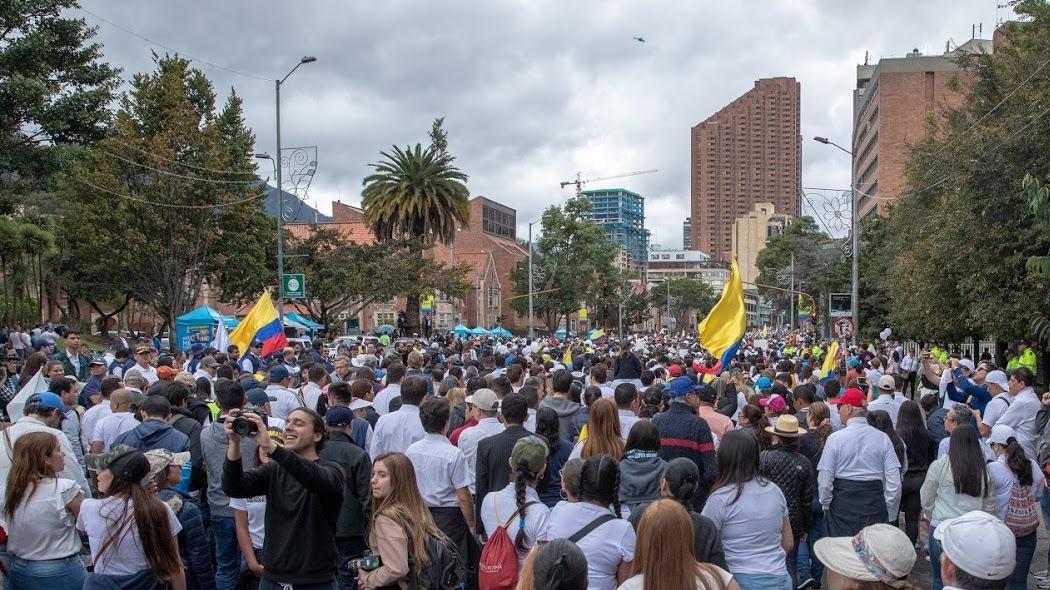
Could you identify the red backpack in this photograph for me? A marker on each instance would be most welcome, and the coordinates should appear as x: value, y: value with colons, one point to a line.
x: 498, y: 568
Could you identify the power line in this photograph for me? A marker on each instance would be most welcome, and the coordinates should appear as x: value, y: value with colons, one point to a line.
x: 172, y: 49
x: 176, y: 174
x: 170, y: 205
x: 179, y: 162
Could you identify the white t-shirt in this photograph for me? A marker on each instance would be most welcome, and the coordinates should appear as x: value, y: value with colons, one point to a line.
x: 503, y: 503
x: 750, y: 527
x: 124, y: 556
x: 637, y: 582
x: 256, y: 509
x: 43, y: 527
x: 605, y: 546
x: 109, y: 428
x: 90, y: 419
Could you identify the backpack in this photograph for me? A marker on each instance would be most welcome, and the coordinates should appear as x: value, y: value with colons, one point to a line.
x: 444, y: 571
x: 1022, y: 517
x: 498, y: 568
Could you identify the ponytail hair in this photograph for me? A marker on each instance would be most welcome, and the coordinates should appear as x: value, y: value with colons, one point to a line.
x: 600, y: 482
x: 522, y: 476
x: 1018, y: 462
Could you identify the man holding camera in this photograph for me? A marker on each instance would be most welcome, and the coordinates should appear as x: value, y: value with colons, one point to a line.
x: 304, y: 496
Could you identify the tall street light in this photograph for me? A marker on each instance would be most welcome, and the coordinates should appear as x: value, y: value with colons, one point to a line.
x: 854, y: 229
x: 532, y: 330
x: 280, y: 191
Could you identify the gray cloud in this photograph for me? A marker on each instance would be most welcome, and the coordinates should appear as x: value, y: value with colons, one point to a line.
x: 533, y: 91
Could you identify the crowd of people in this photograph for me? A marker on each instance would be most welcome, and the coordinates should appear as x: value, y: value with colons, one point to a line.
x: 515, y: 463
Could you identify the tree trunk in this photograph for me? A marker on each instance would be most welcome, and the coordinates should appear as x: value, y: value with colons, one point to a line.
x: 411, y: 315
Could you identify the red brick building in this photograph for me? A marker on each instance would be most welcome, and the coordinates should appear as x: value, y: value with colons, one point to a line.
x: 749, y: 152
x: 487, y: 246
x: 891, y: 104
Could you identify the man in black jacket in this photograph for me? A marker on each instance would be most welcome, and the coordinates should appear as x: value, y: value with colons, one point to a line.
x: 303, y: 498
x: 182, y: 420
x: 357, y: 497
x: 492, y: 471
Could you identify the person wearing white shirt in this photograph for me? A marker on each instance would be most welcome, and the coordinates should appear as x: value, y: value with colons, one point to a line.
x: 120, y: 420
x: 959, y: 415
x: 1010, y: 456
x: 488, y: 425
x: 999, y: 388
x: 1022, y: 411
x: 395, y: 431
x: 148, y: 371
x: 312, y: 390
x: 626, y: 398
x: 43, y: 413
x: 859, y: 475
x: 94, y: 414
x: 441, y: 474
x: 525, y: 522
x: 394, y: 374
x: 886, y: 401
x: 285, y: 401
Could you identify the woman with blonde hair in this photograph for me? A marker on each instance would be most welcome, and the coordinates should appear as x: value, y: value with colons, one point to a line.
x: 39, y: 514
x: 401, y: 524
x: 603, y: 432
x: 663, y: 562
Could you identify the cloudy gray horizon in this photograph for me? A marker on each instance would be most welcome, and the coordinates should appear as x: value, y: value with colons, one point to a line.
x: 532, y: 92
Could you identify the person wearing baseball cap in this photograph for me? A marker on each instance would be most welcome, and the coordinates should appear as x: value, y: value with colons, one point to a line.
x: 150, y: 553
x: 859, y: 475
x: 880, y: 556
x: 886, y: 400
x: 1015, y: 476
x: 685, y: 434
x: 977, y: 552
x: 143, y: 366
x: 998, y: 387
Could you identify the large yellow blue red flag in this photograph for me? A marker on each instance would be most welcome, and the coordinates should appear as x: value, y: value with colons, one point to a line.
x: 721, y: 331
x: 829, y: 358
x: 260, y: 325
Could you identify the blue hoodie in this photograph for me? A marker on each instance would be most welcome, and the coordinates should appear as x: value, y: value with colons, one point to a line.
x: 154, y: 434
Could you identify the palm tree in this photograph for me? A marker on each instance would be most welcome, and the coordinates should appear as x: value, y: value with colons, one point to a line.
x: 419, y: 194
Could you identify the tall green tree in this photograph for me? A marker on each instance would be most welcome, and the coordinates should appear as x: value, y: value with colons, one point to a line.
x: 173, y: 195
x: 54, y: 91
x: 820, y: 266
x: 571, y: 259
x: 416, y: 193
x: 690, y: 298
x: 961, y: 235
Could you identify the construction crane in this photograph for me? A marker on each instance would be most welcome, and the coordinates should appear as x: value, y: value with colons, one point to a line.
x: 579, y: 183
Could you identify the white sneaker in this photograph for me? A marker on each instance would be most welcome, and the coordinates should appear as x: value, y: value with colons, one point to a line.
x: 1041, y: 575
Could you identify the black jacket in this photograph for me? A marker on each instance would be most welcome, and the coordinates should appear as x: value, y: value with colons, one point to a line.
x: 627, y: 367
x: 492, y: 471
x: 793, y: 474
x: 357, y: 468
x: 303, y: 500
x: 183, y: 421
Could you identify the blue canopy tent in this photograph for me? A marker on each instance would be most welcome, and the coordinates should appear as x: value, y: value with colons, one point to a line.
x: 198, y: 327
x: 384, y: 329
x: 501, y: 332
x: 461, y: 330
x: 560, y: 334
x: 479, y: 331
x: 311, y: 325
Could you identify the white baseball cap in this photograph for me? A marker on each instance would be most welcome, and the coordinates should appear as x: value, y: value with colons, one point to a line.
x: 359, y: 403
x: 967, y: 363
x: 1000, y: 434
x: 887, y: 383
x: 998, y: 377
x: 979, y: 544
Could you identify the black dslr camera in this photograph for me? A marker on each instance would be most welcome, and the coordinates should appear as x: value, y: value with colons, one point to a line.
x: 243, y: 426
x: 367, y: 562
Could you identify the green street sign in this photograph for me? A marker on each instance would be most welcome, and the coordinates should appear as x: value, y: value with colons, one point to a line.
x: 293, y: 286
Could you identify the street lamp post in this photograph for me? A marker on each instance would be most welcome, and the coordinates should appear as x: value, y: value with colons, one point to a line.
x: 532, y: 330
x: 854, y: 230
x: 280, y: 191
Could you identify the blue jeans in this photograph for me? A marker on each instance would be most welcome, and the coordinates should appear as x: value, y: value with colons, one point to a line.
x: 227, y: 552
x: 808, y: 564
x: 763, y: 581
x: 67, y: 573
x: 1025, y: 553
x: 791, y: 562
x: 935, y: 562
x: 1045, y: 505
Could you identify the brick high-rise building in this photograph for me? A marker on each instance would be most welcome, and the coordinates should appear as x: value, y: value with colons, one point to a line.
x: 749, y: 152
x: 891, y: 103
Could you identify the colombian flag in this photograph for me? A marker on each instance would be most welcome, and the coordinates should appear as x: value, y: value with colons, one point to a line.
x: 261, y: 324
x: 722, y: 330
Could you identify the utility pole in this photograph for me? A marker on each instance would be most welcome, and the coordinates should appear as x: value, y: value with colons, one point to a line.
x: 532, y: 330
x: 791, y: 307
x: 668, y: 304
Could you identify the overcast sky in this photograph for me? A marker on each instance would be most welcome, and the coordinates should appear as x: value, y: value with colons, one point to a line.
x: 532, y: 90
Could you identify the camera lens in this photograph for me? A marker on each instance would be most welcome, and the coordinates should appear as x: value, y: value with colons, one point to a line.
x: 243, y: 426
